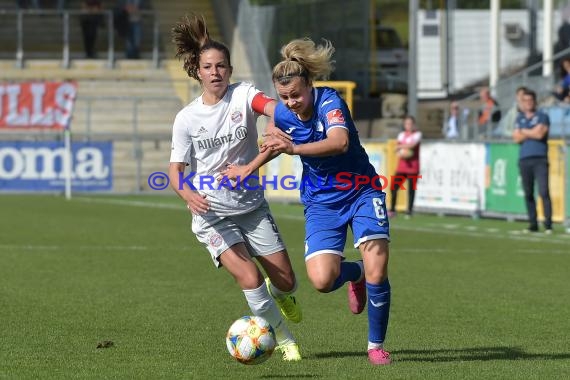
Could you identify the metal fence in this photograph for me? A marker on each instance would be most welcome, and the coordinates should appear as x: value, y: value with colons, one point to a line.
x: 57, y: 35
x: 469, y: 128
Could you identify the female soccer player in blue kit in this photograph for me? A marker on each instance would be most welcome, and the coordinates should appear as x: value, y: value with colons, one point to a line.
x: 320, y: 130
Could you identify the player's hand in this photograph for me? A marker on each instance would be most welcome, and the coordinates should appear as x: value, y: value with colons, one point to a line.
x: 197, y: 203
x: 279, y: 145
x: 235, y: 173
x: 273, y: 132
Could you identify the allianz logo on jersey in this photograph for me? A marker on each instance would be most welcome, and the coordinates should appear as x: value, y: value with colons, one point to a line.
x: 240, y: 133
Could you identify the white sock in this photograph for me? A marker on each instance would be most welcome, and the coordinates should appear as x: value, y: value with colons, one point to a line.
x: 262, y: 305
x: 373, y: 346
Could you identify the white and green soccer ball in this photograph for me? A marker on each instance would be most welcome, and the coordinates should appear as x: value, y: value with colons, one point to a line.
x: 251, y: 340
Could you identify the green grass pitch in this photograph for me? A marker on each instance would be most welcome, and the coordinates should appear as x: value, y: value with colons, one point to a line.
x: 471, y: 299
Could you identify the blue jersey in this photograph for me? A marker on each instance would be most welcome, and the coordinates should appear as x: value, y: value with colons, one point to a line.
x: 327, y: 180
x: 532, y: 147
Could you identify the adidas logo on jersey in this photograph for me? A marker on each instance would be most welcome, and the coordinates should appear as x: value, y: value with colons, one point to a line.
x: 202, y: 130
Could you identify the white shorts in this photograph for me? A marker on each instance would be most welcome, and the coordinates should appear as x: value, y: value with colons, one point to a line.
x: 256, y: 229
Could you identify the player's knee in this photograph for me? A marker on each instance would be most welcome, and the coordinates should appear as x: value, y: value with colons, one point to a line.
x: 286, y: 283
x: 249, y: 280
x: 322, y: 284
x: 376, y: 275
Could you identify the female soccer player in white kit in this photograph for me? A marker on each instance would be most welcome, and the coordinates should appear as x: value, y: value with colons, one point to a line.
x: 214, y: 130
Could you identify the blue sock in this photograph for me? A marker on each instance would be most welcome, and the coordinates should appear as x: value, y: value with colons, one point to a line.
x: 349, y: 271
x: 378, y: 311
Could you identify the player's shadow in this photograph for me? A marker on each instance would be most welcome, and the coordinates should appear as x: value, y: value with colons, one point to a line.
x: 452, y: 355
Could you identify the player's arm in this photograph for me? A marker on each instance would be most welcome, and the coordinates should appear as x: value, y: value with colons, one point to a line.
x: 240, y: 172
x: 195, y: 202
x: 265, y: 105
x: 336, y: 143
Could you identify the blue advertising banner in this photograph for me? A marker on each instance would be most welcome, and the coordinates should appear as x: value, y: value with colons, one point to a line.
x: 39, y: 166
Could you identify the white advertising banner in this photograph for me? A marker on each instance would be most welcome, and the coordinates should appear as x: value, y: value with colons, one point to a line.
x: 453, y: 177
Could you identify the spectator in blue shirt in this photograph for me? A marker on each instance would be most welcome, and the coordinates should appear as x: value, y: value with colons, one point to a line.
x: 531, y: 132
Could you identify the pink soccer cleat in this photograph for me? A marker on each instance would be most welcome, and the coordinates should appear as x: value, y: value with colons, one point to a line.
x: 357, y: 296
x: 378, y: 356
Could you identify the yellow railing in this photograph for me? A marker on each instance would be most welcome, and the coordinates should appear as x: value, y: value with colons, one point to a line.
x: 187, y: 89
x: 345, y: 88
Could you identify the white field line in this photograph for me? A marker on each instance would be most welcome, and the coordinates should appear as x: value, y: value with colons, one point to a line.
x: 30, y: 247
x: 122, y: 202
x: 474, y: 251
x: 448, y: 229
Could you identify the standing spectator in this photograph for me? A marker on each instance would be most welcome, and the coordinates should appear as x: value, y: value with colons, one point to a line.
x: 90, y: 22
x: 408, y: 151
x: 507, y: 124
x: 562, y: 90
x: 489, y: 112
x: 531, y: 132
x: 453, y: 123
x: 25, y: 4
x: 563, y: 41
x: 128, y: 19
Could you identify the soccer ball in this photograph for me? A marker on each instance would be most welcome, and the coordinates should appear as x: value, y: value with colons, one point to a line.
x: 251, y: 340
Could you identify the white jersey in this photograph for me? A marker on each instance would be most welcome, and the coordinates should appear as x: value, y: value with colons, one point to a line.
x: 409, y: 138
x: 208, y: 137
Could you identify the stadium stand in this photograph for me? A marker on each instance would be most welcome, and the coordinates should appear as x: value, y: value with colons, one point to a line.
x: 132, y: 104
x: 170, y: 11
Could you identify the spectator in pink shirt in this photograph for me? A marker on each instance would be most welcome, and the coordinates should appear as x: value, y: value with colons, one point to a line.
x: 408, y: 151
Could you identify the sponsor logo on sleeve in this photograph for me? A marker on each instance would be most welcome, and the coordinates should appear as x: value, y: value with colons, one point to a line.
x: 335, y: 117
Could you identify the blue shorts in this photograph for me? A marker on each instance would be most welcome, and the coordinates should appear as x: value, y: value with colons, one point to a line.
x: 326, y: 226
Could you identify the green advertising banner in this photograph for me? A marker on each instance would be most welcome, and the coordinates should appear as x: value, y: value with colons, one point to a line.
x: 503, y: 193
